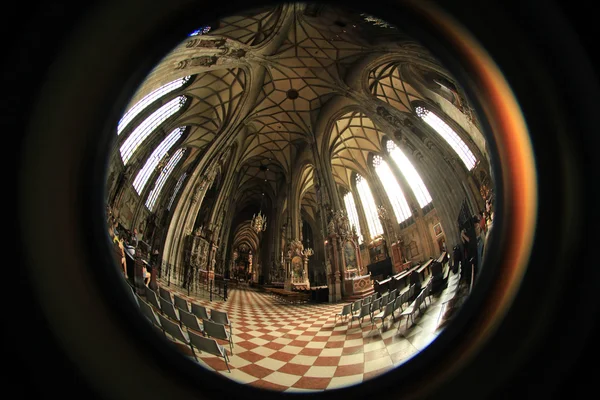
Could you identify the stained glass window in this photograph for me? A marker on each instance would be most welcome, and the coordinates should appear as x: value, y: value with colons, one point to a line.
x: 410, y: 174
x: 392, y: 189
x: 201, y: 31
x: 368, y: 202
x: 352, y: 214
x: 176, y: 190
x: 446, y: 132
x: 161, y: 150
x: 162, y: 179
x: 149, y: 99
x: 148, y: 126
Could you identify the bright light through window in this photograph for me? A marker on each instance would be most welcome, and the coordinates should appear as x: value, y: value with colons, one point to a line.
x: 162, y: 179
x: 142, y: 177
x: 177, y: 187
x: 352, y: 214
x: 149, y: 99
x: 368, y: 202
x: 392, y: 189
x: 148, y: 126
x: 201, y: 31
x: 449, y: 136
x: 410, y: 174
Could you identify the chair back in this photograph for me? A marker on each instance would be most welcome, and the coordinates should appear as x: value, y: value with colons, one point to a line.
x: 356, y: 306
x: 366, y: 300
x: 220, y: 317
x: 215, y: 330
x: 384, y: 299
x: 152, y: 298
x: 165, y: 294
x: 398, y: 302
x: 135, y: 296
x: 199, y: 311
x: 189, y: 320
x: 347, y: 309
x: 376, y: 305
x: 168, y: 309
x: 364, y: 310
x: 181, y: 303
x: 173, y: 329
x: 207, y: 345
x: 419, y: 299
x: 147, y: 310
x: 389, y: 309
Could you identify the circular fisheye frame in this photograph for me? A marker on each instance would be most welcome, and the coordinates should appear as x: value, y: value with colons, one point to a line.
x: 293, y: 198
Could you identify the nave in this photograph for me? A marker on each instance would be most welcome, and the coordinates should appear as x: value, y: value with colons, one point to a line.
x: 309, y: 347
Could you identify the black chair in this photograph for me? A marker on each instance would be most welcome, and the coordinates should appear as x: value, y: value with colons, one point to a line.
x: 217, y: 331
x: 346, y: 310
x: 190, y: 321
x: 199, y: 311
x: 209, y: 346
x: 181, y: 303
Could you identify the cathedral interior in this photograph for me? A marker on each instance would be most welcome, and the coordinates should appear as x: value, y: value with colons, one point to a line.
x: 240, y: 200
x: 283, y: 162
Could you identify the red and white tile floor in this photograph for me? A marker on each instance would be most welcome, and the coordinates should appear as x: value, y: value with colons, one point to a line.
x: 298, y: 347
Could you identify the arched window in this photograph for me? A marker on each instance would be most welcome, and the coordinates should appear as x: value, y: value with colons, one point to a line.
x: 201, y: 31
x: 446, y: 132
x: 392, y: 189
x: 161, y: 150
x: 160, y: 182
x: 410, y: 174
x: 148, y: 126
x: 176, y: 190
x: 352, y: 214
x: 149, y: 99
x: 368, y: 202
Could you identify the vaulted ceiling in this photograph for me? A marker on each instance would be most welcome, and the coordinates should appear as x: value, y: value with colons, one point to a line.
x: 268, y: 81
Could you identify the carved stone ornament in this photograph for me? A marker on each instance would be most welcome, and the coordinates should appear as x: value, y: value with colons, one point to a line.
x: 296, y: 247
x: 202, y: 61
x: 236, y: 53
x: 331, y: 227
x: 205, y: 43
x: 196, y: 194
x: 383, y: 112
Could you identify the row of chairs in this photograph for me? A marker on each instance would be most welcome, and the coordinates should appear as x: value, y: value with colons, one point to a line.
x: 369, y: 306
x: 181, y: 314
x: 416, y: 306
x: 192, y: 336
x: 178, y: 309
x: 380, y: 308
x: 449, y: 295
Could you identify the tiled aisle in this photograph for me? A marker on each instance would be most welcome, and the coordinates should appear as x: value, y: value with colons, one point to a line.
x: 286, y: 347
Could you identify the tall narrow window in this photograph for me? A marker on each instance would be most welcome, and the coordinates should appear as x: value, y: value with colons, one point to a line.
x: 201, y: 31
x: 149, y: 99
x: 410, y: 174
x: 368, y: 202
x: 161, y: 150
x: 176, y: 190
x: 352, y: 214
x: 148, y: 126
x: 160, y: 182
x: 392, y: 189
x: 444, y: 130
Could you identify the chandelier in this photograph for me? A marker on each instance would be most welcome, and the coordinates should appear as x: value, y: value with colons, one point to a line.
x: 382, y: 212
x: 259, y: 222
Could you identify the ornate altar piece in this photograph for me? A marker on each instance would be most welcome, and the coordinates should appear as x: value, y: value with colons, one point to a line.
x: 344, y: 257
x: 296, y: 266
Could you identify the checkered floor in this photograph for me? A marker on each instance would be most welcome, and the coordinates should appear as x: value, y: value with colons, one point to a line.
x: 284, y: 347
